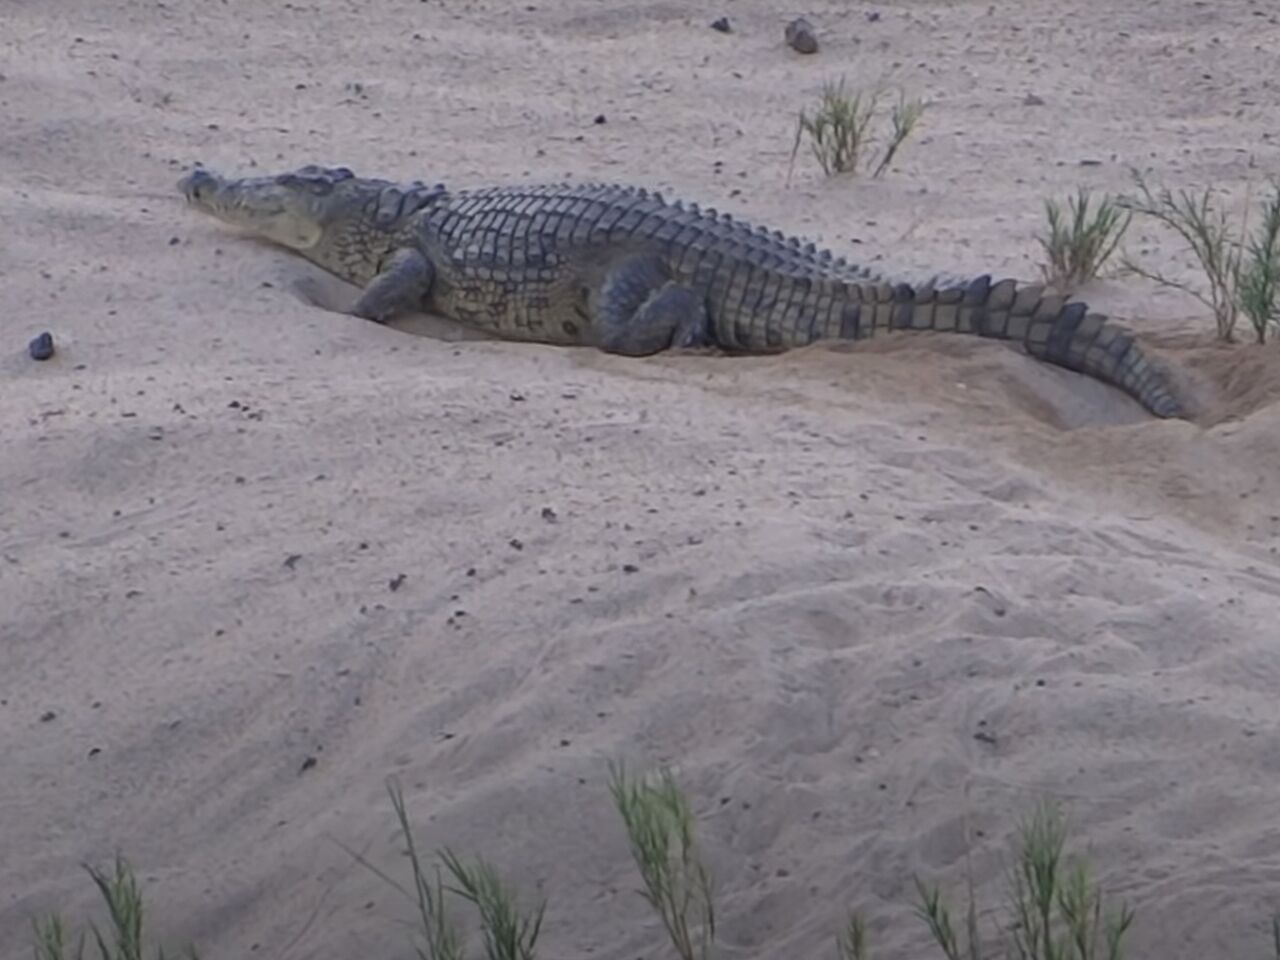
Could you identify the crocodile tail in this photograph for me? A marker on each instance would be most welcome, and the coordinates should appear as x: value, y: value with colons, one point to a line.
x: 1050, y: 327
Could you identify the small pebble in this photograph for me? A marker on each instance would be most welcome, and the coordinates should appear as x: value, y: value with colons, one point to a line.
x: 722, y: 25
x: 1033, y: 100
x: 800, y: 36
x: 41, y: 348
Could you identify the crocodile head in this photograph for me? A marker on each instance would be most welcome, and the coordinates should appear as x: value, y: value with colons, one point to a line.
x: 344, y: 223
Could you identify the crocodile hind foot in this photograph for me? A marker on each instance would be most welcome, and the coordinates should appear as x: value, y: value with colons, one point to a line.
x: 640, y: 311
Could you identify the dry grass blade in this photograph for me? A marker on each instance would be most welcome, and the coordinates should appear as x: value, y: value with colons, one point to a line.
x: 659, y: 825
x: 906, y: 115
x: 1077, y: 251
x: 508, y: 934
x: 441, y: 938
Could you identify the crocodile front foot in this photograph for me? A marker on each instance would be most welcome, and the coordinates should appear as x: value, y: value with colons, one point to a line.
x: 403, y: 284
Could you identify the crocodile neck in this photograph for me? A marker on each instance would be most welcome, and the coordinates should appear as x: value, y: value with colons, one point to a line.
x: 358, y: 247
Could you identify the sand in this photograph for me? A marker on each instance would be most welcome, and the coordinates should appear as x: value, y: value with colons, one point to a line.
x: 871, y: 603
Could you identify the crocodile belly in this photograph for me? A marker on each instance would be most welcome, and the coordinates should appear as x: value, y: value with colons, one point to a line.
x: 520, y: 302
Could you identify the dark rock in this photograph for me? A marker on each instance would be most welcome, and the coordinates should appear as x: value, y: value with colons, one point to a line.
x: 800, y: 36
x: 722, y: 25
x: 41, y: 348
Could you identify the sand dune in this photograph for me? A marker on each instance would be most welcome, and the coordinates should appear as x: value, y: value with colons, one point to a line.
x: 870, y: 602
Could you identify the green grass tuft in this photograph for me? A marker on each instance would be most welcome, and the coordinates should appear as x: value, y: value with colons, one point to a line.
x: 124, y: 906
x: 933, y: 910
x: 440, y: 937
x: 509, y: 934
x: 839, y: 130
x: 659, y: 825
x: 1078, y: 250
x: 1258, y: 282
x: 851, y: 943
x: 1056, y: 910
x: 1243, y: 272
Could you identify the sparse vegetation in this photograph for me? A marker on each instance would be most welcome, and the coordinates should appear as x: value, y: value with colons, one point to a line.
x: 509, y: 934
x: 1055, y: 909
x: 657, y: 818
x: 1258, y: 285
x: 1077, y: 250
x: 851, y: 944
x: 906, y: 114
x: 839, y: 130
x: 124, y: 905
x: 1242, y: 270
x: 441, y: 939
x: 934, y: 911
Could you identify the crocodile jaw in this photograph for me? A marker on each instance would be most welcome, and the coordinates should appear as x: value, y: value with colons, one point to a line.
x: 278, y: 211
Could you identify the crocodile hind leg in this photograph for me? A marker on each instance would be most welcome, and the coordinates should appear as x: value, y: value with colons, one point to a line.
x: 639, y: 310
x: 402, y: 284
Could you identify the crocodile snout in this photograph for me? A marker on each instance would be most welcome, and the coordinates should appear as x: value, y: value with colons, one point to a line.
x: 198, y: 185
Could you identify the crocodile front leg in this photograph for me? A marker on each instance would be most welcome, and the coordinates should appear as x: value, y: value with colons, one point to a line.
x: 402, y: 284
x: 640, y: 311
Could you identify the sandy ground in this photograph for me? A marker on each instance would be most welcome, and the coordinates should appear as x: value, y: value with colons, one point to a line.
x: 870, y: 602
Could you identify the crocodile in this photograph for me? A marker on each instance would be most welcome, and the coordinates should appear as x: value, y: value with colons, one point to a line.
x: 625, y: 270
